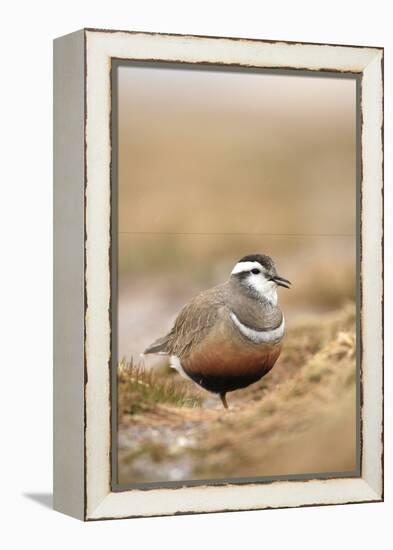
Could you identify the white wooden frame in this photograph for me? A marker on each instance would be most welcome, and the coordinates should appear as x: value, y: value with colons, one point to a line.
x: 82, y: 438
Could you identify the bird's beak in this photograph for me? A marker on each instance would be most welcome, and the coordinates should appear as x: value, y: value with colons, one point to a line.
x: 281, y: 281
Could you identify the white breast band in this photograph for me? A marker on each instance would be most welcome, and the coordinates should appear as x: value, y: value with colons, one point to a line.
x: 259, y: 336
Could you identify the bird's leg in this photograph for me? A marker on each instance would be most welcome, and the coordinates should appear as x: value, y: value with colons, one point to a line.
x: 224, y: 399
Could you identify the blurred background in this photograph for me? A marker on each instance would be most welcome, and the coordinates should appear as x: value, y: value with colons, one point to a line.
x: 214, y: 165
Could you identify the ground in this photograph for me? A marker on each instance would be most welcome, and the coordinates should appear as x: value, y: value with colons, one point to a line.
x: 299, y: 419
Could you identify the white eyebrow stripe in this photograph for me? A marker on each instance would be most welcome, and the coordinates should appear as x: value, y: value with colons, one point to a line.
x: 259, y: 336
x: 246, y: 266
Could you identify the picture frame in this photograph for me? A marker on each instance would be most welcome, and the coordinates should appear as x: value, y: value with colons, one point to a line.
x: 85, y: 218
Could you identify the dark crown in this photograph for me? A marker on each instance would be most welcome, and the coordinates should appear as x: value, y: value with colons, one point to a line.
x: 264, y: 260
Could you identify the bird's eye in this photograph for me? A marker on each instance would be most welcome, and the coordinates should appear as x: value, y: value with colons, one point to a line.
x: 255, y: 271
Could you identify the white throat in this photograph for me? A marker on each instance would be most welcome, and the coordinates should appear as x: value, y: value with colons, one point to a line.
x: 263, y: 287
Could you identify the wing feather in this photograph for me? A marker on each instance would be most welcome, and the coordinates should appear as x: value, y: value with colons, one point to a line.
x: 192, y: 324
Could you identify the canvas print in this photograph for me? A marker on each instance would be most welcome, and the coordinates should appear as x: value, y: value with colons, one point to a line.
x: 235, y: 319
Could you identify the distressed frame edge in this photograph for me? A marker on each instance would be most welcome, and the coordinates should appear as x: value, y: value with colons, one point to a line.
x: 374, y: 493
x: 372, y: 271
x: 236, y: 38
x: 69, y: 278
x: 318, y: 493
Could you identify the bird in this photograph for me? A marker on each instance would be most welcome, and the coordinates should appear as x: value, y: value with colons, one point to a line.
x: 229, y: 336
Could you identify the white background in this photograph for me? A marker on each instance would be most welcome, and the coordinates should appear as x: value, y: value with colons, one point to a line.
x: 26, y: 287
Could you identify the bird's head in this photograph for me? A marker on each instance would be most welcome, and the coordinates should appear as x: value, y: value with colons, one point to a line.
x: 257, y: 273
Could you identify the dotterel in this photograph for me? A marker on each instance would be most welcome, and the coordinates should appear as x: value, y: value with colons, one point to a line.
x: 229, y: 336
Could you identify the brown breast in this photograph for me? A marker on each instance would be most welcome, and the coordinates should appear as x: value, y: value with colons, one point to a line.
x: 225, y: 353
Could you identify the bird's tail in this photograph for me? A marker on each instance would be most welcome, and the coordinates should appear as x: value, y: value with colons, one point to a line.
x: 159, y: 346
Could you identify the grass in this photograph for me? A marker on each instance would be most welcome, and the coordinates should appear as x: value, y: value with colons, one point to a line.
x: 298, y: 419
x: 141, y: 389
x: 305, y: 421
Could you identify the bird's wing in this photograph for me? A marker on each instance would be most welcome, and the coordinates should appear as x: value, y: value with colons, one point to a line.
x: 192, y: 324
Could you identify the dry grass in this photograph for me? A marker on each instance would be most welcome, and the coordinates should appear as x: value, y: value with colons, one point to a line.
x: 298, y: 419
x: 141, y: 390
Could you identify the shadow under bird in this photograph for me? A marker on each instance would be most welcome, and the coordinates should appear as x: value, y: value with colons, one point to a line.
x: 229, y: 336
